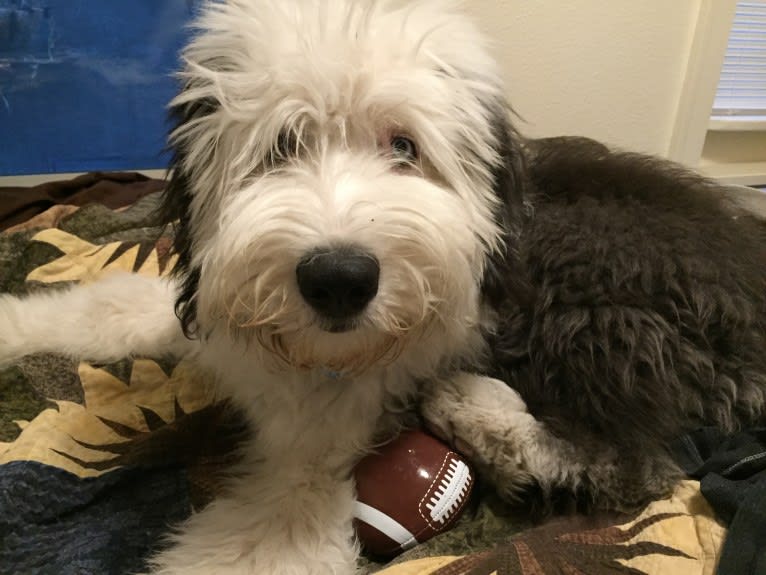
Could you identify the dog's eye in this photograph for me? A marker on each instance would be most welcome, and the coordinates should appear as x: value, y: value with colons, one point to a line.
x: 285, y: 144
x: 285, y: 147
x: 404, y: 149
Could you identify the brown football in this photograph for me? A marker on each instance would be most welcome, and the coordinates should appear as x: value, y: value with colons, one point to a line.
x: 410, y: 490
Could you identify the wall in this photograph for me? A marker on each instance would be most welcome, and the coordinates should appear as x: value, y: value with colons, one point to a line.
x: 609, y: 69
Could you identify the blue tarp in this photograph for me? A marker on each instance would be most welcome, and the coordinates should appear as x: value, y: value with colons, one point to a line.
x: 84, y: 84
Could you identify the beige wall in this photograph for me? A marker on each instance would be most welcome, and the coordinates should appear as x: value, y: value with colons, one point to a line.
x: 608, y: 69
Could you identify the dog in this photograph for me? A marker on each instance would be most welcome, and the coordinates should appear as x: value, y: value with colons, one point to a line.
x: 362, y: 233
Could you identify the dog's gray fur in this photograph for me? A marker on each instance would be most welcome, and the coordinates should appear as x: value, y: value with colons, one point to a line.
x: 647, y: 314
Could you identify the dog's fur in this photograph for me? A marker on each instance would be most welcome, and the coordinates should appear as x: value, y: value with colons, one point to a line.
x: 620, y: 298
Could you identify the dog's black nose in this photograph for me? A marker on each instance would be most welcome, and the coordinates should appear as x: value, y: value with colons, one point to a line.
x: 338, y: 282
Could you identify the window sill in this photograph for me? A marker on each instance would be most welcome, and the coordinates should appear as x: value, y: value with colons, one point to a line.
x: 737, y: 124
x: 739, y: 173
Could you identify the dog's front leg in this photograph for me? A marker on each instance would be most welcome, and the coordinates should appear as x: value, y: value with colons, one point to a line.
x: 116, y: 317
x: 281, y: 518
x: 489, y: 422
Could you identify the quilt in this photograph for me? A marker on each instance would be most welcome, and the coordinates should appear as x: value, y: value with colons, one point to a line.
x: 98, y: 461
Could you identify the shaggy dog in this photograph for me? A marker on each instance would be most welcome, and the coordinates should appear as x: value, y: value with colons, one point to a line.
x: 360, y: 229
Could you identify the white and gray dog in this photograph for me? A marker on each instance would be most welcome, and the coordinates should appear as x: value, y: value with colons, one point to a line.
x: 360, y: 230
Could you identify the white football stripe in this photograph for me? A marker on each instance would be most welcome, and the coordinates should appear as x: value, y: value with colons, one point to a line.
x: 385, y: 524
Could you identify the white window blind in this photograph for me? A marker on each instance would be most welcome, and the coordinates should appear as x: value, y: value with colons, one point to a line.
x: 742, y: 87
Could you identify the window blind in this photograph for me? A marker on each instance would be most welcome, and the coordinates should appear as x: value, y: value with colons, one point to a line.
x: 742, y: 87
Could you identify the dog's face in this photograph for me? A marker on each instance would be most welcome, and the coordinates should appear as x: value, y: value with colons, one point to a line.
x: 345, y: 179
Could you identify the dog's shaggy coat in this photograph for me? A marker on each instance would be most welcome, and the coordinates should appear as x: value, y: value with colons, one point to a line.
x: 559, y: 310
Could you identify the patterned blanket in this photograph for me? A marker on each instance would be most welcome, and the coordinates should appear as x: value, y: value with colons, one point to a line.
x: 96, y: 461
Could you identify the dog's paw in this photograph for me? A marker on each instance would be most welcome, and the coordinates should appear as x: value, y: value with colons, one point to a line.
x: 284, y: 521
x: 486, y: 421
x: 259, y: 561
x: 457, y: 409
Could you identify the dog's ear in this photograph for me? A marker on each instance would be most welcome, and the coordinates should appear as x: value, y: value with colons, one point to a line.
x: 176, y: 209
x: 504, y: 277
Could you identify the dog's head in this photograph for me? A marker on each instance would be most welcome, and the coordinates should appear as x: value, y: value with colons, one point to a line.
x: 345, y: 179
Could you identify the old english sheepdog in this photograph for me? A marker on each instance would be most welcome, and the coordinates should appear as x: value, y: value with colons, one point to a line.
x: 361, y: 232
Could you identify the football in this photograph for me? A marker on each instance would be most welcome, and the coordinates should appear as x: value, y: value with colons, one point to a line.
x: 410, y: 490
